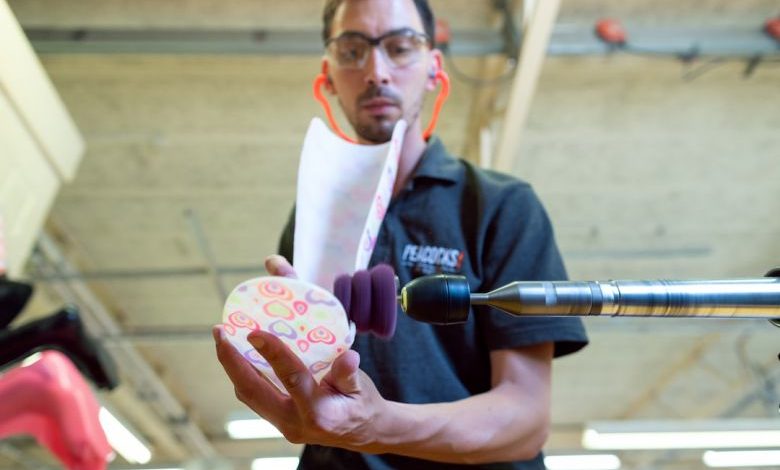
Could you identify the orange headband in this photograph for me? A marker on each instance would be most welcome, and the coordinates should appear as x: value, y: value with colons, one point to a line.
x: 441, y: 76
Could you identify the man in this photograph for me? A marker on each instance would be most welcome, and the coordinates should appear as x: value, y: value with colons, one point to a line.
x: 431, y: 396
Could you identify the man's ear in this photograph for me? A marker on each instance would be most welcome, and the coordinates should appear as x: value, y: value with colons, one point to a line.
x: 437, y: 65
x: 329, y: 87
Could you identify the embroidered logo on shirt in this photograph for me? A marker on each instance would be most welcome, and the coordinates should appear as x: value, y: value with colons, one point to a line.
x: 428, y: 259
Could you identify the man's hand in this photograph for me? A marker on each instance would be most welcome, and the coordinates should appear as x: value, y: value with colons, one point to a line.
x: 341, y: 410
x: 279, y: 266
x: 508, y: 422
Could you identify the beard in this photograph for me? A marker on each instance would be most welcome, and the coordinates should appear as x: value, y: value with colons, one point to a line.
x: 377, y: 129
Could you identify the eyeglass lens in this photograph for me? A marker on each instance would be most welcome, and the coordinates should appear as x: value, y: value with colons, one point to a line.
x: 351, y: 50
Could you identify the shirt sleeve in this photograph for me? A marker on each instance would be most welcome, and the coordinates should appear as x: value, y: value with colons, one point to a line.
x: 520, y: 246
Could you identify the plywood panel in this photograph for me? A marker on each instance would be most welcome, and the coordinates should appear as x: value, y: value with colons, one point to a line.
x: 27, y: 187
x: 35, y: 100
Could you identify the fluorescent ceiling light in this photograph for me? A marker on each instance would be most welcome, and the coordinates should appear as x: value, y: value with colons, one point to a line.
x: 582, y: 462
x: 122, y: 440
x: 275, y: 463
x: 253, y: 428
x: 641, y: 435
x: 745, y: 458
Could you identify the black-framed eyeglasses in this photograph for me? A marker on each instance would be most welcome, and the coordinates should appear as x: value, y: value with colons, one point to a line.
x: 401, y: 47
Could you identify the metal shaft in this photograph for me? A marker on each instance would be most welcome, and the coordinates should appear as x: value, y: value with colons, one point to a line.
x: 738, y: 298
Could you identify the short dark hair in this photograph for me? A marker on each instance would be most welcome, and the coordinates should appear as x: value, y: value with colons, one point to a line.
x: 426, y: 15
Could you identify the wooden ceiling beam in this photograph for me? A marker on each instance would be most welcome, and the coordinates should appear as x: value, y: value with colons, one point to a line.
x: 478, y: 148
x: 536, y: 37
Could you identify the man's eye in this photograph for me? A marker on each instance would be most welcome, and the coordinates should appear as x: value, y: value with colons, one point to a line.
x: 350, y: 53
x: 399, y: 48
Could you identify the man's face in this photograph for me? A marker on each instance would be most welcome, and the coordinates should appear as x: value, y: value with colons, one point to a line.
x: 380, y: 93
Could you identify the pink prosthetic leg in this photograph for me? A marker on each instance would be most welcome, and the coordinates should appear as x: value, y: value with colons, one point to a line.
x: 50, y: 400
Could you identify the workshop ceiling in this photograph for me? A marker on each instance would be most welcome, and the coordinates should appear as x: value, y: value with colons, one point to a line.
x: 645, y: 174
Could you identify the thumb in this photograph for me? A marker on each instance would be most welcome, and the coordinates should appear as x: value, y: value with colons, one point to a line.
x: 344, y: 374
x: 277, y: 265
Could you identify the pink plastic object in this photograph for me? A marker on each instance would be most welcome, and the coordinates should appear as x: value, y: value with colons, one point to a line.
x: 50, y: 400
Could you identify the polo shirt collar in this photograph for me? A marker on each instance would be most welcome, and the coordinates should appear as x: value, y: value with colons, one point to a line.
x: 437, y: 164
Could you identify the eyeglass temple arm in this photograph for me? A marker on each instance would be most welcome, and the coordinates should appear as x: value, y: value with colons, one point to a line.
x: 441, y: 76
x: 319, y: 81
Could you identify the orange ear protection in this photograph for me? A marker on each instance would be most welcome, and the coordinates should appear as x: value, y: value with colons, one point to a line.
x: 444, y: 92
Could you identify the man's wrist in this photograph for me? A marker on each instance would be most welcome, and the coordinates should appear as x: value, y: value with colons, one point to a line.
x: 388, y: 428
x: 403, y: 428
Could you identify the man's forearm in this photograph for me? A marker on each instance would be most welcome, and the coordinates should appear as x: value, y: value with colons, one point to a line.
x: 500, y: 425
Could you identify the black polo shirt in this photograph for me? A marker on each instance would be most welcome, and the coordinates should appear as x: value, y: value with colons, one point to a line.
x: 454, y: 218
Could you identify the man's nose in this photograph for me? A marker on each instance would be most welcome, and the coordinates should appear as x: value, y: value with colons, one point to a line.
x: 377, y: 68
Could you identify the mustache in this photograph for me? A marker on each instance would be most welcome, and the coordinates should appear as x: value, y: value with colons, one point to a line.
x: 379, y: 92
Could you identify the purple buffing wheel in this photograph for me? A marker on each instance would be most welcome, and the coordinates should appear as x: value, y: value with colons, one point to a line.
x: 360, y: 303
x: 383, y: 301
x: 342, y: 289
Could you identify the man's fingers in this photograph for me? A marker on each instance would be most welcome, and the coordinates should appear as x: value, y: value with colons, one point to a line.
x: 250, y: 385
x: 277, y: 265
x: 288, y: 367
x: 344, y: 375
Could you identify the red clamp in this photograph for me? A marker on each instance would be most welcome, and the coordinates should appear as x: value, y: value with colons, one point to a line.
x: 611, y: 31
x: 772, y: 28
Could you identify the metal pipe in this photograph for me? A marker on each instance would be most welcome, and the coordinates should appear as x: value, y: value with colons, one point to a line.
x: 148, y: 273
x: 568, y: 39
x: 208, y: 253
x: 745, y: 298
x: 445, y: 299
